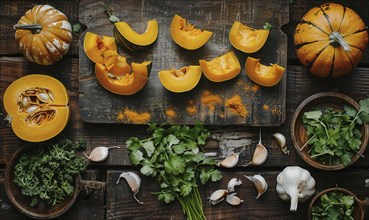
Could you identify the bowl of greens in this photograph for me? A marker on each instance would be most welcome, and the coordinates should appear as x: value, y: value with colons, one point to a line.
x: 330, y: 130
x: 43, y: 181
x: 337, y: 203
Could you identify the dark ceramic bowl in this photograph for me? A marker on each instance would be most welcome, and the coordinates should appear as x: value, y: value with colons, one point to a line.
x: 322, y: 101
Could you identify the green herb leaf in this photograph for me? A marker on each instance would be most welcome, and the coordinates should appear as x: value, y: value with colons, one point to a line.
x: 313, y: 114
x: 76, y: 28
x: 350, y: 111
x: 364, y: 105
x: 267, y: 26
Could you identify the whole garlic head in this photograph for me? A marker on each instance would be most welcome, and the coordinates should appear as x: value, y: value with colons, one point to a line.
x: 296, y: 184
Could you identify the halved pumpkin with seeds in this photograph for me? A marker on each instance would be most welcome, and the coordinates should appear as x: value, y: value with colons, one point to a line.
x: 37, y: 107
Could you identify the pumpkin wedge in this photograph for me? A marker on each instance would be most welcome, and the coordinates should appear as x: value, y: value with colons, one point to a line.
x: 261, y: 74
x: 94, y: 46
x: 186, y: 35
x: 128, y: 38
x: 221, y: 68
x: 180, y: 80
x: 37, y: 107
x: 117, y: 80
x: 247, y: 39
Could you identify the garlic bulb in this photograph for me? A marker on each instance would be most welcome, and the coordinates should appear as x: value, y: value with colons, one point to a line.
x: 296, y: 184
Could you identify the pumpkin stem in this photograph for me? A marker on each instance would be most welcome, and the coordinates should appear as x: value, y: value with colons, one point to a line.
x: 34, y: 28
x: 336, y: 37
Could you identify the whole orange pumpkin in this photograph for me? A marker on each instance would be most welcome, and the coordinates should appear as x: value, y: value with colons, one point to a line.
x: 43, y: 34
x: 330, y: 40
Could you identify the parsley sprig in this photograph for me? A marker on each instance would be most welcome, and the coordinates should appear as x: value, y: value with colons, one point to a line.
x: 174, y: 157
x: 334, y: 135
x: 334, y: 206
x: 46, y: 174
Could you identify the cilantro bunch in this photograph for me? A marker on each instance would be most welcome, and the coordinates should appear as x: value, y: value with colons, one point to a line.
x: 334, y: 206
x: 46, y: 174
x: 175, y: 158
x: 334, y: 135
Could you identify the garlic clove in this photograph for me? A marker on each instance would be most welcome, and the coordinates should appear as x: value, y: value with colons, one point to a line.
x: 233, y: 199
x: 281, y: 140
x: 232, y: 183
x: 134, y: 182
x: 260, y: 155
x: 260, y: 184
x: 218, y: 196
x: 99, y: 154
x: 231, y: 160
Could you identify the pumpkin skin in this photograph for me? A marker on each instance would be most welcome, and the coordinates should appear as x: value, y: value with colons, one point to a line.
x: 330, y: 40
x: 247, y: 39
x: 180, y: 80
x: 263, y: 75
x: 128, y: 38
x: 221, y: 68
x: 95, y: 46
x: 38, y: 107
x: 186, y: 35
x: 121, y: 82
x: 43, y: 34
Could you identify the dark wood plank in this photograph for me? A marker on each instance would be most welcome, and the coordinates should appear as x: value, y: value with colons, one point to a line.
x: 299, y: 8
x: 301, y: 86
x: 12, y: 11
x: 216, y: 16
x: 121, y: 205
x: 85, y: 208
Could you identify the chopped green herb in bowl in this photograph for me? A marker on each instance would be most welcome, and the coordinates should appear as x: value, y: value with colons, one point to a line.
x: 46, y: 174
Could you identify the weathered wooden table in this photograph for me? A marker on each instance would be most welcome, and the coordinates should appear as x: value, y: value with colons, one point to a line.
x: 116, y: 202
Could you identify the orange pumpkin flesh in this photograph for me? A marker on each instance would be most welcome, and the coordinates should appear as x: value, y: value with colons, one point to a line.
x: 43, y: 34
x: 330, y: 40
x: 247, y: 39
x: 186, y: 35
x: 119, y: 81
x: 38, y: 107
x: 132, y: 40
x: 94, y: 46
x: 221, y: 68
x: 263, y: 75
x: 181, y: 80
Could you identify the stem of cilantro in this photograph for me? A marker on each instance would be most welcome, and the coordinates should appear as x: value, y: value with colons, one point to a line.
x: 307, y: 142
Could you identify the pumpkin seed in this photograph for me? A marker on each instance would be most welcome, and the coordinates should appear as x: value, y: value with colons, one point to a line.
x: 32, y: 108
x: 43, y: 97
x: 25, y: 102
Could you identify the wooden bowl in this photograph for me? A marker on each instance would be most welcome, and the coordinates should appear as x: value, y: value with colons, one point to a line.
x: 322, y: 101
x: 41, y: 210
x: 359, y: 205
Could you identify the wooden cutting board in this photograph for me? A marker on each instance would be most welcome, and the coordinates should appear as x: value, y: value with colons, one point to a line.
x: 265, y: 106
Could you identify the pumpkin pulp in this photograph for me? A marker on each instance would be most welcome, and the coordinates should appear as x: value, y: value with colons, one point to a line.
x: 261, y: 74
x: 120, y: 80
x: 37, y: 106
x: 247, y: 39
x: 186, y: 35
x: 180, y: 80
x: 132, y: 40
x: 330, y: 40
x: 221, y: 68
x: 94, y: 46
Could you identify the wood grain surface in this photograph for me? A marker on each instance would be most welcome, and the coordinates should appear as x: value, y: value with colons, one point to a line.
x: 117, y: 202
x: 216, y: 16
